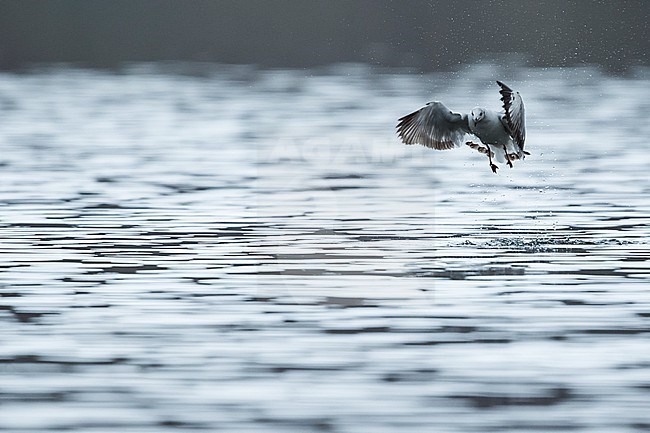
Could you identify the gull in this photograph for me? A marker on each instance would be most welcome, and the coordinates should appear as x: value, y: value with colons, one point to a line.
x: 503, y: 133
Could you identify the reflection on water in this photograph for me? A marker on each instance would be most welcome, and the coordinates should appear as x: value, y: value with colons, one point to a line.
x: 241, y: 250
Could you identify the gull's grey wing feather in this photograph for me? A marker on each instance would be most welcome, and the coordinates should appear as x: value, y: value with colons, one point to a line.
x: 515, y: 116
x: 433, y: 126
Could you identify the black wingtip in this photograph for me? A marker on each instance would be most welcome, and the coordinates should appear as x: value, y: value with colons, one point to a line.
x: 503, y: 86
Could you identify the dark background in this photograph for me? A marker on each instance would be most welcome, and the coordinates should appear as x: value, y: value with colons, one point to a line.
x: 419, y: 34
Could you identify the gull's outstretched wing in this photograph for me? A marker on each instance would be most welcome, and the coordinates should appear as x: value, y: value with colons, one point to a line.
x: 515, y: 116
x: 433, y: 126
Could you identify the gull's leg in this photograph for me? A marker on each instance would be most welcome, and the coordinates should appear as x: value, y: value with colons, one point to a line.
x: 486, y: 151
x: 492, y: 165
x: 505, y: 150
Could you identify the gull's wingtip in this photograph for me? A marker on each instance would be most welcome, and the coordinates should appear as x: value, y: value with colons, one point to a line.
x: 503, y: 86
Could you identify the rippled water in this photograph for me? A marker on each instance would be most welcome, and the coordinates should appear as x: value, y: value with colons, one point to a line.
x: 242, y: 250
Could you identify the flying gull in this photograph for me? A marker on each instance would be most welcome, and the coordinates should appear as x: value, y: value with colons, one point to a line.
x: 503, y: 133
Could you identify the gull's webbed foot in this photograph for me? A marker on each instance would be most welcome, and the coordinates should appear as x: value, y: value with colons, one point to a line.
x: 494, y: 168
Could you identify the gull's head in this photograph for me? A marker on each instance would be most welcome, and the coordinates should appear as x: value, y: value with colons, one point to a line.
x: 478, y: 114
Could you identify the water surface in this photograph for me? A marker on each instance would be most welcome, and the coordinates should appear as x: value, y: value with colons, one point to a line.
x: 244, y: 250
